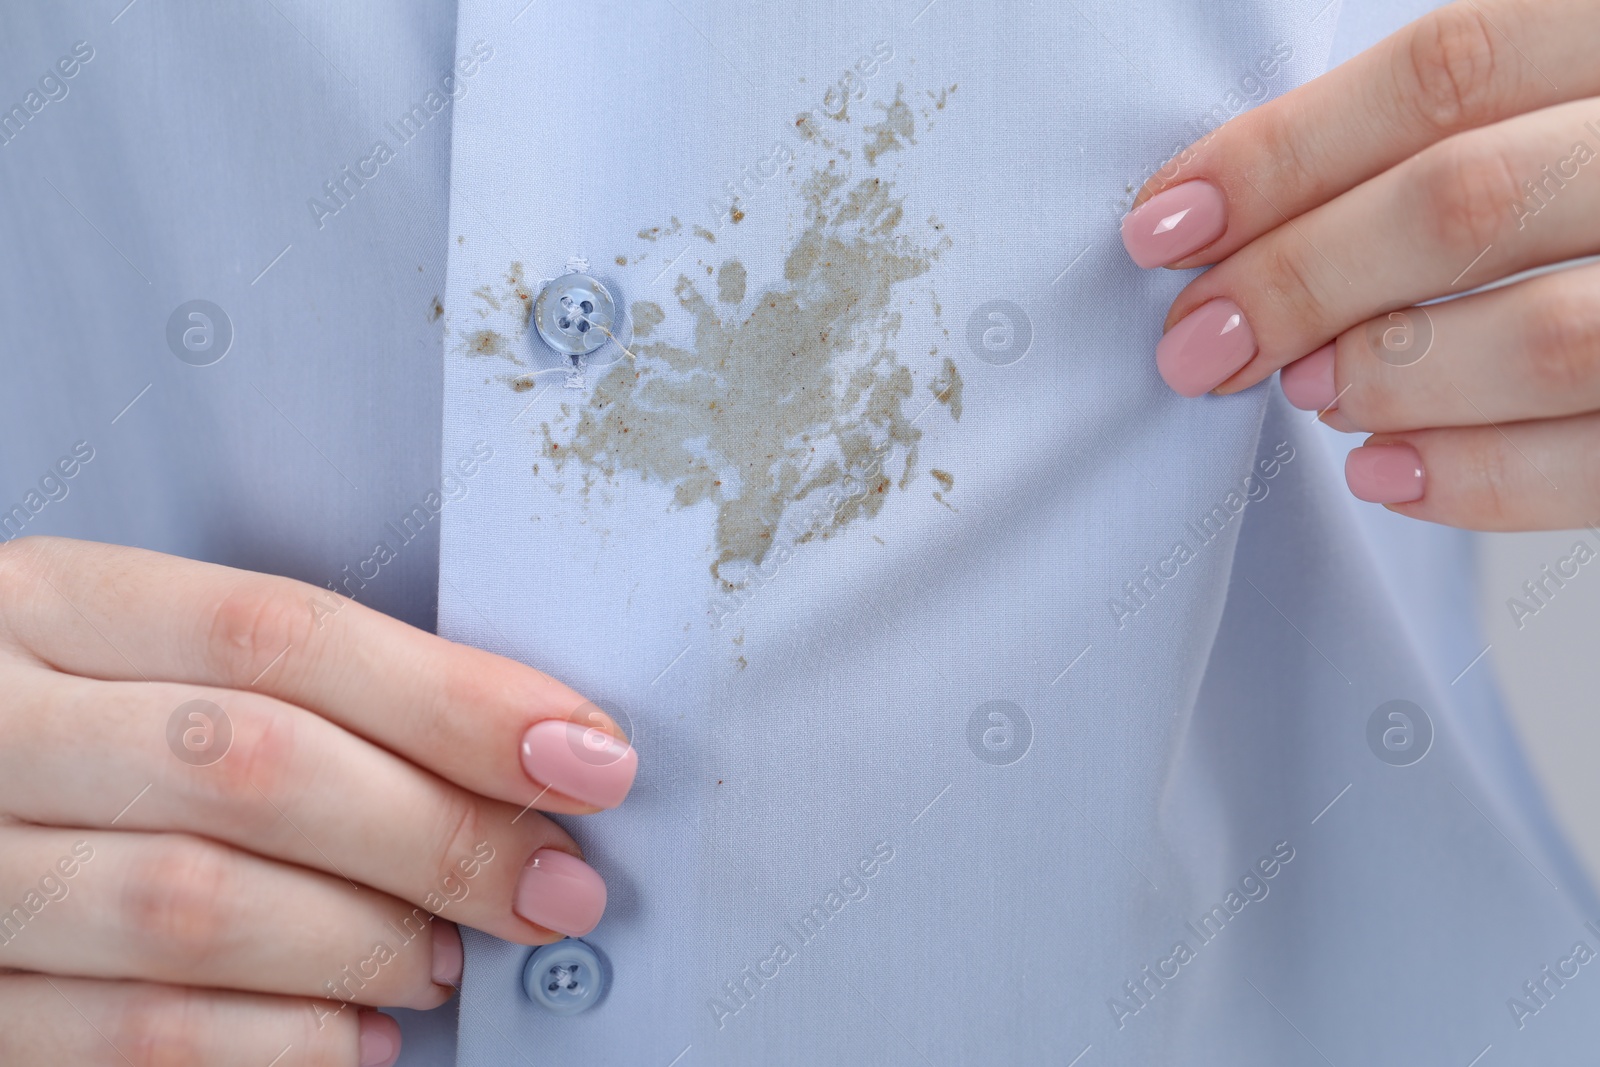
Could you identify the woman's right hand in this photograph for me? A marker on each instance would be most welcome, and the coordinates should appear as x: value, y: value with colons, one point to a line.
x: 231, y: 804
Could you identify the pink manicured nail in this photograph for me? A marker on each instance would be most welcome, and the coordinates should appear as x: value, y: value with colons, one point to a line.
x: 1204, y: 350
x: 561, y: 893
x: 447, y: 955
x: 584, y: 762
x: 1308, y: 381
x: 1385, y: 474
x: 1172, y: 224
x: 380, y: 1039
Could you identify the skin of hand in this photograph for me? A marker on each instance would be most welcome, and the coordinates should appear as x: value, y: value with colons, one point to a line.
x: 238, y: 811
x: 1463, y: 150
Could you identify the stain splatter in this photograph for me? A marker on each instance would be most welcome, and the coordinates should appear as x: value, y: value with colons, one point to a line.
x: 647, y: 315
x: 786, y: 406
x: 435, y: 310
x: 486, y: 343
x: 622, y: 261
x: 944, y: 478
x: 655, y: 233
x: 947, y: 387
x: 705, y: 235
x: 808, y: 127
x: 508, y: 304
x: 731, y: 282
x: 942, y: 96
x: 897, y: 129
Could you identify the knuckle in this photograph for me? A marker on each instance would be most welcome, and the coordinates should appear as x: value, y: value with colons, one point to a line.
x: 20, y: 557
x: 323, y: 1032
x: 24, y: 563
x: 174, y: 901
x: 160, y: 1026
x: 1453, y: 66
x: 1496, y: 478
x: 1561, y: 328
x: 1370, y: 400
x: 1294, y: 169
x: 463, y: 830
x: 260, y: 763
x: 437, y: 696
x: 149, y: 1025
x: 1294, y: 283
x: 257, y: 621
x: 1468, y: 187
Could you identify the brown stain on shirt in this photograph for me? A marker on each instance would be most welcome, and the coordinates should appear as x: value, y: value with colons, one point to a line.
x: 486, y: 343
x: 655, y: 233
x: 647, y: 315
x: 731, y: 282
x: 947, y: 388
x: 509, y: 296
x: 788, y: 408
x: 895, y: 132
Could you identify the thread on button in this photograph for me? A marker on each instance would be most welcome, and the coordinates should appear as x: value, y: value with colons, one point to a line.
x: 572, y: 312
x: 563, y: 977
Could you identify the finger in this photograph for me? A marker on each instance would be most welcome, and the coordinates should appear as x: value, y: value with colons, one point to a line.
x: 1526, y: 351
x: 1466, y: 65
x: 487, y: 723
x: 46, y: 1022
x: 1442, y: 222
x: 1521, y: 476
x: 181, y: 909
x: 286, y: 784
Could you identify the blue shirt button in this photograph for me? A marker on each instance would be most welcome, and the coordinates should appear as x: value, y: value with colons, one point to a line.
x: 575, y: 314
x: 565, y: 978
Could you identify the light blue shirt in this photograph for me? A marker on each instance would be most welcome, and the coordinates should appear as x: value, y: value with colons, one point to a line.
x: 1042, y: 716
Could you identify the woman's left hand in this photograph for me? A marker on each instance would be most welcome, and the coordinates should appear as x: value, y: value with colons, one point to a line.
x: 1460, y: 151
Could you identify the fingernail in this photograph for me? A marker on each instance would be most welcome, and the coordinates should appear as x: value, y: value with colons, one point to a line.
x: 447, y: 955
x: 584, y: 762
x: 1174, y: 223
x: 1335, y: 418
x: 1385, y: 474
x: 1308, y: 381
x: 1205, y: 348
x: 380, y: 1039
x: 561, y: 893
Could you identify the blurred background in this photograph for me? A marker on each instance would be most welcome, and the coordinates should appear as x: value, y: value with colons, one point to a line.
x: 1547, y: 656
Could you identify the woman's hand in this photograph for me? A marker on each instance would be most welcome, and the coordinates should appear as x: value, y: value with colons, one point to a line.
x: 231, y: 804
x: 1460, y: 151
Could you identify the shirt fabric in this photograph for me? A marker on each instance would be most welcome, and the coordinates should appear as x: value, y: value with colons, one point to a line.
x: 1103, y: 686
x: 1053, y: 781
